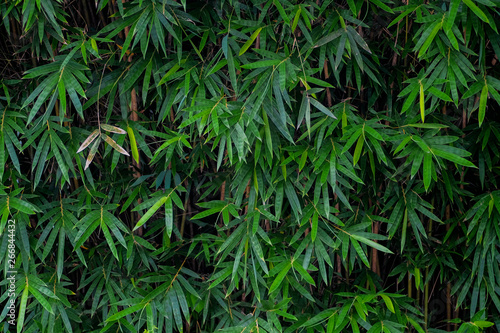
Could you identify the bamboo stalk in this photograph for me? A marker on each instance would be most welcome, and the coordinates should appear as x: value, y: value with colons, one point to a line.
x: 86, y: 13
x: 409, y: 286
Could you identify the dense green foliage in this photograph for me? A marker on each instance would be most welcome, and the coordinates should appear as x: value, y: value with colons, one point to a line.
x: 251, y: 166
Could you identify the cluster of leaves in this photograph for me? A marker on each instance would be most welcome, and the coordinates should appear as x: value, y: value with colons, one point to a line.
x: 251, y: 165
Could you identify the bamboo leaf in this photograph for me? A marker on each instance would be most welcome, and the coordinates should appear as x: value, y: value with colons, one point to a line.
x: 358, y: 149
x: 112, y: 129
x: 22, y: 308
x: 133, y: 144
x: 454, y: 4
x: 150, y: 212
x: 169, y: 216
x: 322, y: 108
x: 303, y: 273
x: 127, y: 311
x: 428, y: 41
x: 249, y: 42
x: 388, y: 302
x: 88, y: 140
x: 427, y: 170
x: 261, y: 64
x: 422, y: 103
x: 281, y: 10
x: 482, y: 104
x: 452, y: 157
x: 92, y: 153
x: 41, y: 299
x: 360, y: 252
x: 279, y: 278
x: 479, y: 13
x: 370, y: 243
x: 314, y: 226
x: 115, y: 146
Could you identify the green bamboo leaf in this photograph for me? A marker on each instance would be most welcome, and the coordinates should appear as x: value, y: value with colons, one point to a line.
x: 62, y: 96
x: 440, y: 94
x: 415, y: 325
x: 352, y: 139
x: 436, y: 27
x: 352, y: 7
x: 322, y: 108
x: 64, y: 317
x: 370, y: 243
x: 479, y: 13
x: 483, y: 323
x: 232, y: 70
x: 314, y: 226
x: 417, y: 278
x: 41, y: 299
x: 150, y: 212
x: 60, y: 161
x: 388, y: 303
x: 318, y: 82
x: 296, y: 19
x: 410, y: 9
x: 410, y: 99
x: 355, y: 50
x: 292, y: 198
x: 219, y: 277
x: 279, y: 278
x: 42, y: 70
x: 22, y: 308
x: 360, y: 251
x: 452, y: 157
x: 84, y: 233
x: 453, y: 40
x: 482, y: 104
x: 169, y: 216
x: 427, y: 125
x: 328, y: 38
x: 373, y: 133
x: 261, y: 64
x: 358, y: 149
x: 427, y: 170
x: 41, y: 93
x: 382, y: 6
x: 2, y: 154
x: 133, y: 144
x: 23, y: 206
x: 422, y: 102
x: 150, y: 318
x: 281, y: 10
x: 359, y: 40
x: 109, y: 240
x: 450, y: 19
x: 181, y: 298
x: 172, y: 71
x: 303, y: 272
x: 267, y: 131
x: 249, y: 42
x: 207, y: 212
x: 60, y: 253
x: 127, y: 311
